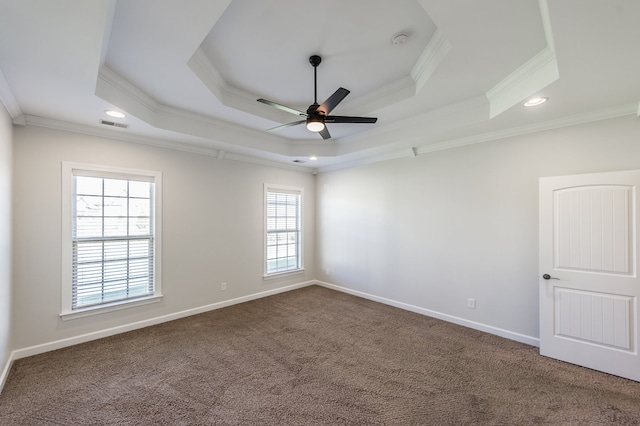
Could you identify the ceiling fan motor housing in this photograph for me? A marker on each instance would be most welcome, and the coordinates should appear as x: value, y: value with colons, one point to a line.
x: 317, y: 114
x: 315, y: 60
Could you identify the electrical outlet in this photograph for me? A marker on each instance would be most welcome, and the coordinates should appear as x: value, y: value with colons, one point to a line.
x: 471, y: 303
x: 223, y: 286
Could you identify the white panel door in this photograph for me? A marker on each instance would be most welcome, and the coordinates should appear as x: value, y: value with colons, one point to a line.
x: 589, y: 283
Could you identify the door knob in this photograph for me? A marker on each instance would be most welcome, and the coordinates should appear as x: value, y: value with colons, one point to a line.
x: 549, y: 277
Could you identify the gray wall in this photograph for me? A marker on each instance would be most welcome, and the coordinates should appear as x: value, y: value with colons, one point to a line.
x: 5, y: 239
x: 434, y: 230
x: 212, y: 231
x: 427, y: 232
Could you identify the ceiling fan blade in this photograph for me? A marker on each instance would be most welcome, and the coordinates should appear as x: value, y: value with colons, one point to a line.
x: 325, y: 133
x: 284, y: 126
x: 332, y: 101
x: 283, y: 107
x: 344, y: 119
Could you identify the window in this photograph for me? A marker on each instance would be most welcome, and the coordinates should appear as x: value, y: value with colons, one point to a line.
x: 111, y: 236
x: 283, y: 229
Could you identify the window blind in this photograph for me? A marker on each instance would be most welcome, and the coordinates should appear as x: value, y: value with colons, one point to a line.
x: 112, y: 239
x: 283, y: 228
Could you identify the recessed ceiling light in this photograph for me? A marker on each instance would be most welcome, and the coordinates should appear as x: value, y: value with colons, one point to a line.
x: 535, y: 101
x: 313, y: 158
x: 115, y: 114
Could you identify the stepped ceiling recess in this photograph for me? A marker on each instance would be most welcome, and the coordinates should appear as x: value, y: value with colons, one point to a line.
x: 436, y: 73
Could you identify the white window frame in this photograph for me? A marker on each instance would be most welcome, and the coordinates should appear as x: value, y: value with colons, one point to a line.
x: 288, y: 190
x: 69, y: 170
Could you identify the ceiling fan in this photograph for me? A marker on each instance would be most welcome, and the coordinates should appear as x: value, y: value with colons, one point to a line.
x: 317, y: 115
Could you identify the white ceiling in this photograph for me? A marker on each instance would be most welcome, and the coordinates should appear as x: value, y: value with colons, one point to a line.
x: 188, y: 73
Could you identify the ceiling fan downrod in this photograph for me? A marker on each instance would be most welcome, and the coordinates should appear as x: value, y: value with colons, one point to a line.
x: 315, y: 60
x: 317, y: 114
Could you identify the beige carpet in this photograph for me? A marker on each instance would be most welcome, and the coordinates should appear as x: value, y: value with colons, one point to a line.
x: 310, y: 357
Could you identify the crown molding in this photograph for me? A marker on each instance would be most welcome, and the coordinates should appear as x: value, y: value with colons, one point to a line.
x: 532, y: 76
x: 396, y: 91
x: 8, y: 100
x: 364, y: 159
x: 546, y: 23
x: 408, y: 86
x: 392, y: 93
x: 414, y: 151
x: 120, y: 135
x: 415, y: 129
x: 230, y: 96
x: 268, y: 163
x: 194, y: 124
x: 574, y: 120
x: 113, y: 88
x: 371, y: 159
x: 20, y: 121
x: 435, y: 52
x: 408, y: 133
x: 204, y: 69
x: 116, y: 134
x: 118, y: 82
x: 116, y: 90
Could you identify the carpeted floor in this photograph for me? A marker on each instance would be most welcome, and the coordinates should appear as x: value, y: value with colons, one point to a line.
x: 310, y: 357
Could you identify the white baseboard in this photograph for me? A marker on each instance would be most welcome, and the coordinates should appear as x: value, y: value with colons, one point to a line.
x: 529, y: 340
x: 63, y: 343
x: 5, y: 371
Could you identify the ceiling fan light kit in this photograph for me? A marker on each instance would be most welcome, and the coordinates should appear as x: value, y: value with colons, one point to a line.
x: 314, y: 125
x: 318, y: 114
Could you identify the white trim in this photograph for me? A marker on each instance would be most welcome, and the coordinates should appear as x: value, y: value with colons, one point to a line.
x: 522, y: 338
x: 83, y: 338
x: 574, y: 120
x: 8, y: 99
x: 396, y: 91
x: 182, y: 146
x: 543, y: 5
x: 110, y: 307
x: 145, y: 106
x: 531, y: 77
x: 68, y: 168
x: 230, y: 96
x: 114, y: 89
x: 282, y: 274
x: 5, y: 371
x: 267, y: 187
x: 432, y: 56
x: 349, y: 160
x: 75, y: 340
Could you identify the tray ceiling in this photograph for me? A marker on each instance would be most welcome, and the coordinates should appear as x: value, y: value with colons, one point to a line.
x: 188, y: 74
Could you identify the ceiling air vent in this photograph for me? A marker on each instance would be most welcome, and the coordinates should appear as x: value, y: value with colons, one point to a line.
x: 299, y: 161
x: 114, y: 124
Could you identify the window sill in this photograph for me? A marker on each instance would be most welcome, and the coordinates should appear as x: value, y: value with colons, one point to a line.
x: 282, y: 274
x: 116, y: 306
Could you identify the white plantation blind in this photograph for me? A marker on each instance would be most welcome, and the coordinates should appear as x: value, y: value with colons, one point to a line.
x: 113, y: 238
x: 283, y: 229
